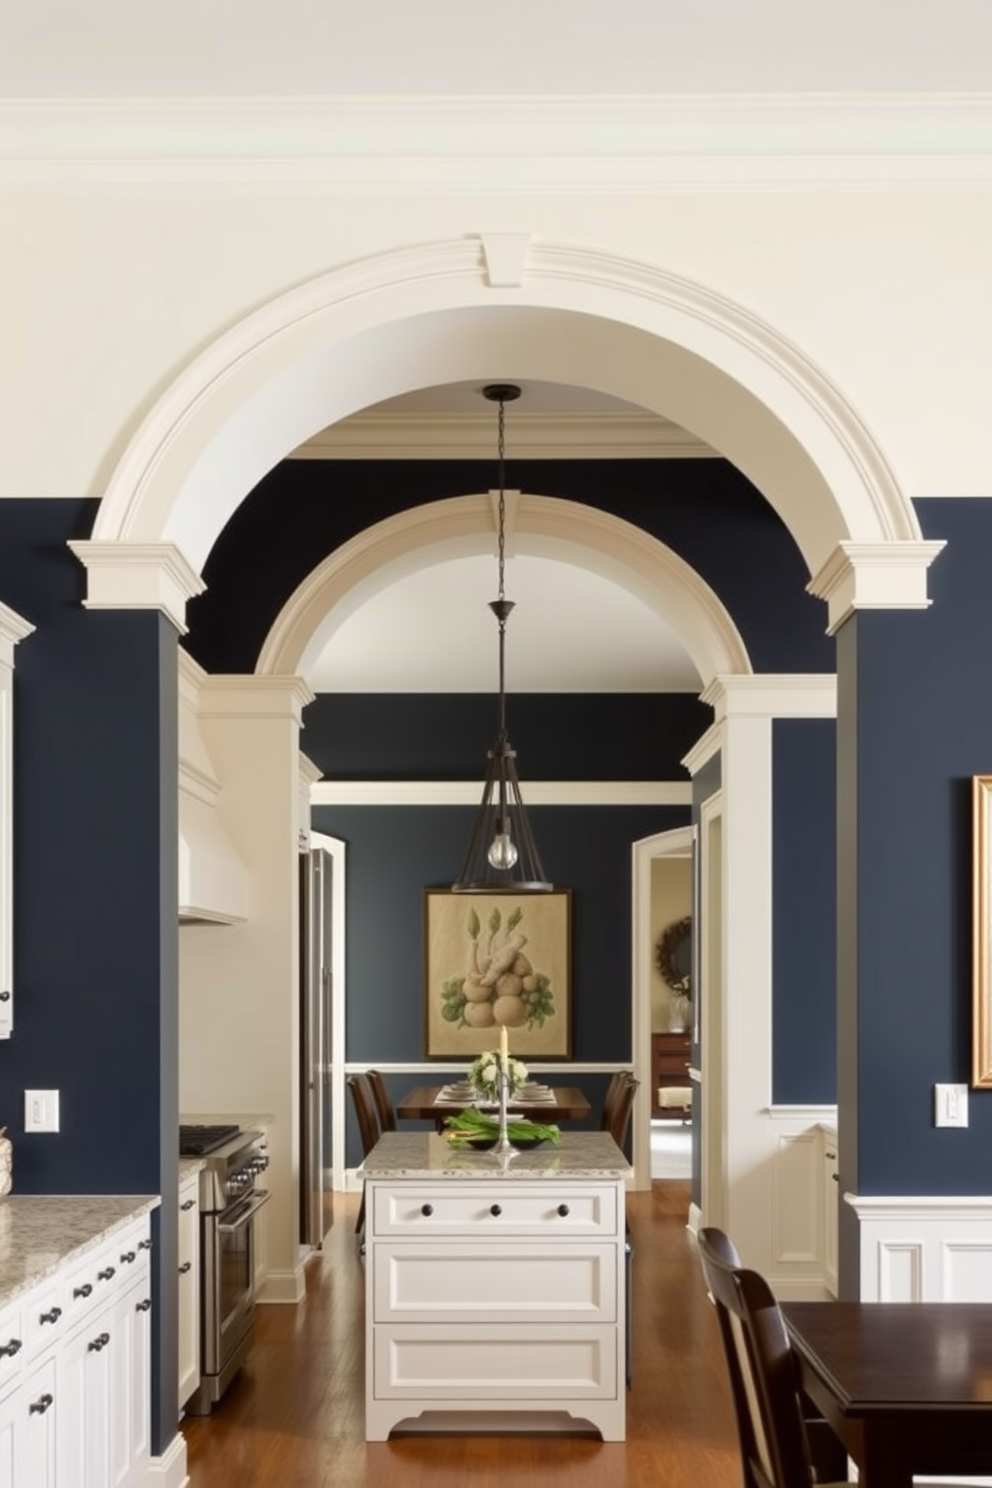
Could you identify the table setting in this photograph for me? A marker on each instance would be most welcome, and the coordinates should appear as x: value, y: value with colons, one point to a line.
x: 485, y: 1118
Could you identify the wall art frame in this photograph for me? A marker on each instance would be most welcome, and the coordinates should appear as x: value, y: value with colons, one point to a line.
x: 497, y: 960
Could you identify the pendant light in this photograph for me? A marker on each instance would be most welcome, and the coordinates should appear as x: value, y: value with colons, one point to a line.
x: 502, y: 855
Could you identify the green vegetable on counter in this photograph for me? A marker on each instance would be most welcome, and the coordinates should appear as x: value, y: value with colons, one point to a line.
x: 473, y: 1125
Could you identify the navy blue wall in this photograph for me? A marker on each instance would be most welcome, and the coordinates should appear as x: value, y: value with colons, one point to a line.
x: 705, y: 510
x: 804, y: 891
x: 95, y: 873
x: 915, y: 724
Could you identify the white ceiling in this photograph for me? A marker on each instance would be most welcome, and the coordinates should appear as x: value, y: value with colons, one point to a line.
x: 246, y: 48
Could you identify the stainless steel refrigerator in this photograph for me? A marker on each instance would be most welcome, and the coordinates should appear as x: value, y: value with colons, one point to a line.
x: 316, y: 1200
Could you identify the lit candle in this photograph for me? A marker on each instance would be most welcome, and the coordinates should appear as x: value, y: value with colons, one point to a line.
x: 504, y: 1049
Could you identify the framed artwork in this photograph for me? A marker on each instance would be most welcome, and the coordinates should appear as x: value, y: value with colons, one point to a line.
x: 494, y: 961
x: 981, y: 982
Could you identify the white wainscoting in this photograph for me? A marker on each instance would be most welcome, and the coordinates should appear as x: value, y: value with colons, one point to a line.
x: 925, y: 1249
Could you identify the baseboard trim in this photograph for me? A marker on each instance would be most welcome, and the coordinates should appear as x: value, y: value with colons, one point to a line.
x: 169, y: 1470
x: 284, y: 1286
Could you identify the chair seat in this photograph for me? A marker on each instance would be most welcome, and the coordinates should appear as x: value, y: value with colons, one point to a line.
x: 677, y: 1096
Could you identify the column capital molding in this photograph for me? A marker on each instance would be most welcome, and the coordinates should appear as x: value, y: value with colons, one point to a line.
x: 138, y: 576
x: 13, y: 628
x: 874, y: 576
x: 249, y: 695
x: 773, y: 695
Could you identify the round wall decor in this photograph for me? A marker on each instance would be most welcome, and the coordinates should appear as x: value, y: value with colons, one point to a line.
x: 673, y: 956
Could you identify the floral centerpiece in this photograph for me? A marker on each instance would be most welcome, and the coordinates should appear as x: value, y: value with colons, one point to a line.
x: 483, y: 1071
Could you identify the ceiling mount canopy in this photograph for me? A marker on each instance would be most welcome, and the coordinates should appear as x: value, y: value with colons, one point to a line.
x: 502, y: 854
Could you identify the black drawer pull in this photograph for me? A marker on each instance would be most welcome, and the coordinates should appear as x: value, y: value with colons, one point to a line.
x: 188, y: 1205
x: 39, y: 1407
x: 84, y: 1290
x: 495, y: 1210
x: 144, y: 1245
x: 96, y: 1344
x: 186, y: 1266
x: 50, y: 1317
x: 11, y: 1348
x: 427, y: 1210
x: 143, y: 1305
x: 563, y: 1210
x: 128, y: 1257
x: 106, y: 1273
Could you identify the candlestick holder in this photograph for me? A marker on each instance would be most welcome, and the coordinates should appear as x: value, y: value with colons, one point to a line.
x: 504, y: 1147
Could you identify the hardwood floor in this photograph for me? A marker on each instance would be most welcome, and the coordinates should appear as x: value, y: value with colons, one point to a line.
x: 294, y: 1418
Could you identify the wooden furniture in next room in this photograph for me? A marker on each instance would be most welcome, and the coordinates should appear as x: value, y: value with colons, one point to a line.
x: 670, y: 1071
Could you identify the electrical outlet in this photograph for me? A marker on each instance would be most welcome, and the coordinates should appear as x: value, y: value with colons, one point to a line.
x: 41, y: 1110
x: 950, y: 1104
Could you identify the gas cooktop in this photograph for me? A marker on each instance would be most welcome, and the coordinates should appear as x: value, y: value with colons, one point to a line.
x: 197, y: 1141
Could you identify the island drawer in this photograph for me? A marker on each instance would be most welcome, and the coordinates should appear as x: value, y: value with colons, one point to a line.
x: 495, y: 1281
x: 508, y: 1364
x: 509, y: 1208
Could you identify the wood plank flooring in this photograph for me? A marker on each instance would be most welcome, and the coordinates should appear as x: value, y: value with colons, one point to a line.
x: 294, y: 1418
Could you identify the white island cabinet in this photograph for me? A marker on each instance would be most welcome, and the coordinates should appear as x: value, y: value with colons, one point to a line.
x: 495, y: 1285
x: 75, y: 1321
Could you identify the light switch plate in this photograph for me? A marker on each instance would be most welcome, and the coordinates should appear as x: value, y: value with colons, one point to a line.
x: 950, y: 1105
x: 41, y: 1110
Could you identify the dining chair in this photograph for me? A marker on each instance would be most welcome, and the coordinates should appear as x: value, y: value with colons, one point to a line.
x: 369, y: 1132
x: 764, y: 1379
x: 622, y: 1108
x: 383, y: 1102
x: 613, y: 1090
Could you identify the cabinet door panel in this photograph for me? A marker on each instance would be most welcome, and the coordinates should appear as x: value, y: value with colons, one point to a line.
x: 495, y: 1282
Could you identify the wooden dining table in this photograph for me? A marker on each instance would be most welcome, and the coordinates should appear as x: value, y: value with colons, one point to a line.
x: 421, y: 1104
x: 907, y: 1386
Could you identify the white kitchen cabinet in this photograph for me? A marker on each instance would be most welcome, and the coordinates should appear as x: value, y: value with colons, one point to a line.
x: 189, y: 1284
x: 496, y: 1293
x: 12, y: 630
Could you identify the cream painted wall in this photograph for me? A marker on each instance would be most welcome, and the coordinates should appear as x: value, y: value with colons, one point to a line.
x: 239, y: 984
x: 108, y: 290
x: 671, y: 900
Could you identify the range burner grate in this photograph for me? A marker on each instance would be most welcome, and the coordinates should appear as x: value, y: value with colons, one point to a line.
x: 197, y: 1141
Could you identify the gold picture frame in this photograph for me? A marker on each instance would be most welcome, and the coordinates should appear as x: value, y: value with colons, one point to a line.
x: 981, y: 981
x: 493, y: 961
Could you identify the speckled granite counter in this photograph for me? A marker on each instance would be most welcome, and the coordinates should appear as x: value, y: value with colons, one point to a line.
x: 38, y: 1233
x: 419, y: 1154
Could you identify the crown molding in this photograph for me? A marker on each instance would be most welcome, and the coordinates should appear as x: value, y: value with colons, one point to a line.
x: 466, y: 793
x: 549, y: 143
x: 13, y: 628
x: 565, y: 436
x: 874, y: 576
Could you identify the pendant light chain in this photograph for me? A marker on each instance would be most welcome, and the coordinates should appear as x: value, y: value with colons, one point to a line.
x: 501, y: 448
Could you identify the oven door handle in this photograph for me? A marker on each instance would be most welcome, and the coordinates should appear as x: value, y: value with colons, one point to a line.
x: 259, y: 1197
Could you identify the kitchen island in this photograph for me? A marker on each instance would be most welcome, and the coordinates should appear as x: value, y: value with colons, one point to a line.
x: 495, y: 1287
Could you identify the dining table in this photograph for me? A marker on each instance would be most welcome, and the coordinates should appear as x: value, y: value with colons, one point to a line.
x: 906, y: 1386
x: 425, y: 1103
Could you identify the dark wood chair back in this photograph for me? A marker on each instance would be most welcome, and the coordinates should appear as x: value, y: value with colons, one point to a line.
x: 383, y: 1103
x: 620, y: 1116
x: 613, y: 1092
x: 368, y: 1130
x: 764, y: 1379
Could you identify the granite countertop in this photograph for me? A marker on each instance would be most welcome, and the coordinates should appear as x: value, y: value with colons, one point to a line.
x: 422, y: 1154
x: 39, y: 1232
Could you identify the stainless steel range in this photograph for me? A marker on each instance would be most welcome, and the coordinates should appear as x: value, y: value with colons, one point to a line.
x: 229, y: 1202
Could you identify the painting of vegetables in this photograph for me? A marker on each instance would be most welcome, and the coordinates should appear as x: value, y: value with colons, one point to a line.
x: 497, y: 961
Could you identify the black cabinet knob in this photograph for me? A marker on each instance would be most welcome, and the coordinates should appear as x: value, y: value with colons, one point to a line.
x: 106, y: 1273
x: 11, y: 1348
x: 39, y: 1407
x: 187, y: 1206
x: 127, y: 1257
x: 143, y: 1305
x: 427, y: 1210
x: 4, y: 996
x: 186, y: 1266
x: 495, y: 1210
x: 50, y: 1317
x: 84, y: 1290
x: 563, y: 1210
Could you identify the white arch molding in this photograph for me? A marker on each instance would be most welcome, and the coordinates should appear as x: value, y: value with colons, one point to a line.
x: 429, y: 314
x: 542, y: 525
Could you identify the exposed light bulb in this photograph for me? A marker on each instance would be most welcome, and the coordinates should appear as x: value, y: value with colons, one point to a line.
x: 502, y: 851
